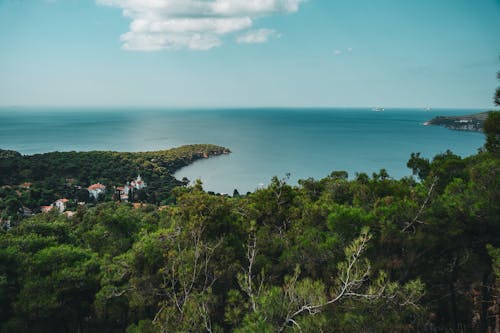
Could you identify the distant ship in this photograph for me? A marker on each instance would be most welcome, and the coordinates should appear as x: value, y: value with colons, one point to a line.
x: 428, y: 108
x: 378, y: 109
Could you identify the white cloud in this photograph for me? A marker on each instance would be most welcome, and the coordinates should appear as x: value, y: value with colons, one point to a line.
x: 195, y: 24
x: 337, y: 52
x: 257, y: 36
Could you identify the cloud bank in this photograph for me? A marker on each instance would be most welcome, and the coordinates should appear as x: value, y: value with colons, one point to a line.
x: 195, y: 24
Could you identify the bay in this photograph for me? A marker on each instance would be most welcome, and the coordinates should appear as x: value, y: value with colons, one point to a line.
x: 265, y: 142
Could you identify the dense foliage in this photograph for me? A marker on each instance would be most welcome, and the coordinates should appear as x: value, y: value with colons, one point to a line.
x: 496, y: 98
x: 68, y: 174
x: 373, y: 254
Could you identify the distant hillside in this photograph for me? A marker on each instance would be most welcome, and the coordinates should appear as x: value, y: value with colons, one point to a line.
x: 58, y: 174
x: 472, y: 122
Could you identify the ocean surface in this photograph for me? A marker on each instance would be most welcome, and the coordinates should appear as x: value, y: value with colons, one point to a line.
x: 264, y: 142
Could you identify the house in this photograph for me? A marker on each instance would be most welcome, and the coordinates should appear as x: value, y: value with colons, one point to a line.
x: 121, y: 193
x: 46, y: 209
x: 25, y: 185
x: 69, y: 214
x: 25, y: 211
x: 125, y: 192
x: 61, y: 204
x: 138, y: 183
x: 96, y: 190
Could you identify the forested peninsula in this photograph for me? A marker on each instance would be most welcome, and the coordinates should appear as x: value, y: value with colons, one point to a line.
x: 472, y: 122
x: 371, y: 254
x: 30, y: 181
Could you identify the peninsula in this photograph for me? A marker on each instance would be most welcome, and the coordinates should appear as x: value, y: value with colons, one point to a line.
x: 472, y: 122
x: 32, y: 182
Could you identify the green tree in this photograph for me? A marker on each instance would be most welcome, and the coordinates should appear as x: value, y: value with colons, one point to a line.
x: 56, y: 291
x: 420, y: 166
x: 496, y: 98
x: 299, y: 304
x: 492, y: 131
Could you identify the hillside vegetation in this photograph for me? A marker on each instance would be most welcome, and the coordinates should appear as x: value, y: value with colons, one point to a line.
x: 63, y: 174
x: 372, y: 254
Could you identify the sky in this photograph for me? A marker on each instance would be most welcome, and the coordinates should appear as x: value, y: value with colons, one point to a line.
x: 249, y: 53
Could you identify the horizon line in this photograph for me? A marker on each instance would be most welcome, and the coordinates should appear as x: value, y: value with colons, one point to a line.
x: 242, y: 107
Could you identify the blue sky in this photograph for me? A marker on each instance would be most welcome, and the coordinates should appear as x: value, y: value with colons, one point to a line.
x: 242, y: 53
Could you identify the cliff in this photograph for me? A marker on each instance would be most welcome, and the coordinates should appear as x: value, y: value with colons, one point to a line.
x: 472, y: 122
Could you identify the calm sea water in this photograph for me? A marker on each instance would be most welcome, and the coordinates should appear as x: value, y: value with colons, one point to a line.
x: 264, y: 142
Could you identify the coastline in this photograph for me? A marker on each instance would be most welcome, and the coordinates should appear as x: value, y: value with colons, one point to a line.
x: 60, y: 175
x: 468, y: 123
x: 265, y: 142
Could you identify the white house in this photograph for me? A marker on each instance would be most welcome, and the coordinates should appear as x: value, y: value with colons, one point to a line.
x: 96, y: 190
x: 138, y: 183
x: 61, y: 204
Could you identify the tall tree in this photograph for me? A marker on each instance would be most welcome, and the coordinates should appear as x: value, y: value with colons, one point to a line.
x: 492, y: 131
x: 497, y: 93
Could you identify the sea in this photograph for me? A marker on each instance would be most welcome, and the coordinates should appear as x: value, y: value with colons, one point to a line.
x: 291, y: 143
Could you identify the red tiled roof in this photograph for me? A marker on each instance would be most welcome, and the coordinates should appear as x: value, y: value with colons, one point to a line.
x: 62, y: 200
x: 46, y: 208
x: 96, y: 187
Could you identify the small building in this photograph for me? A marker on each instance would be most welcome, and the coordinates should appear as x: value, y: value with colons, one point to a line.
x: 138, y: 183
x: 126, y: 192
x: 121, y: 193
x: 46, y: 209
x: 69, y: 214
x: 25, y: 185
x: 96, y: 190
x: 61, y: 204
x: 26, y: 212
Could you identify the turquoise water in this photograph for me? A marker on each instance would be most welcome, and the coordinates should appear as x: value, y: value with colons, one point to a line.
x: 264, y: 142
